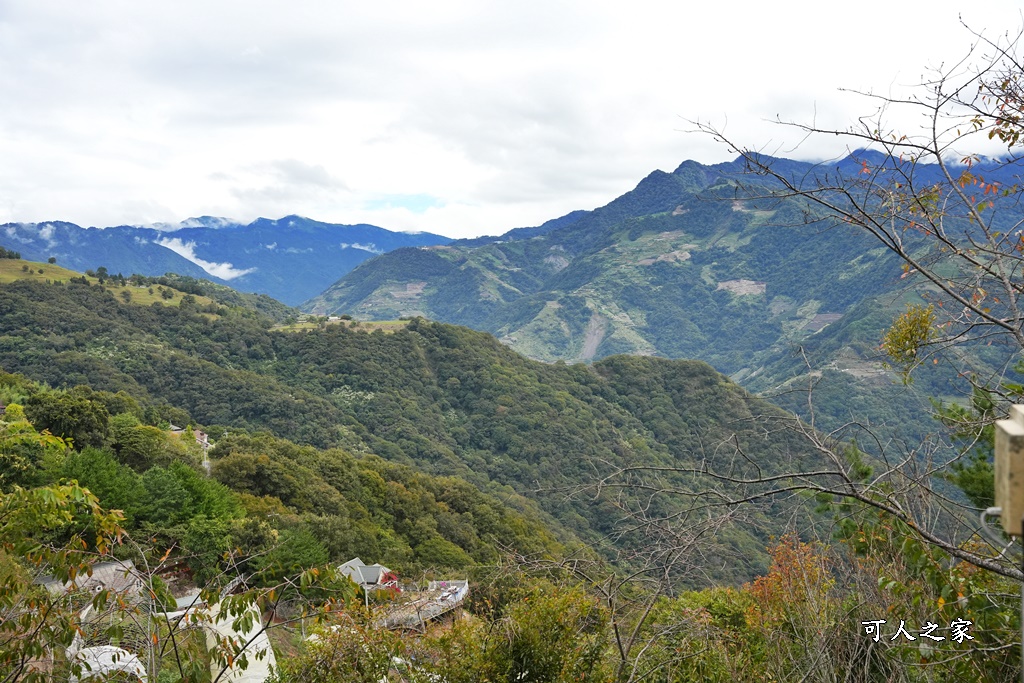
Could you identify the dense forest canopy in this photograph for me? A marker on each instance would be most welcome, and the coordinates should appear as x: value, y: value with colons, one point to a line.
x: 447, y: 400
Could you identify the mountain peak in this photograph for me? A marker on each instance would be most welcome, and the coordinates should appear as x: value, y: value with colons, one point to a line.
x: 871, y: 156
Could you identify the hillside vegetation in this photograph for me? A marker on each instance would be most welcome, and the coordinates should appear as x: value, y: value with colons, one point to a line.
x: 444, y: 399
x: 437, y: 450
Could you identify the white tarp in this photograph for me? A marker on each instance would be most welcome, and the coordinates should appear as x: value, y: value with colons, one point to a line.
x: 258, y: 653
x: 98, y: 662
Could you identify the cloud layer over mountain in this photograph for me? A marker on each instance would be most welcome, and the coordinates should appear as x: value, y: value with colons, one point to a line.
x: 224, y: 271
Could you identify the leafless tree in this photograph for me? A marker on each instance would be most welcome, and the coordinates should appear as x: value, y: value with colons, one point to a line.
x: 954, y: 219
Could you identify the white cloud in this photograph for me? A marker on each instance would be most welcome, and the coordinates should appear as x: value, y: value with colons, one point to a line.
x: 507, y: 113
x: 17, y: 235
x: 187, y: 250
x: 46, y: 234
x: 371, y: 247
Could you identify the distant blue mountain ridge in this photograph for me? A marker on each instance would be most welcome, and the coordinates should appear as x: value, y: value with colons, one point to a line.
x: 295, y: 259
x: 291, y: 259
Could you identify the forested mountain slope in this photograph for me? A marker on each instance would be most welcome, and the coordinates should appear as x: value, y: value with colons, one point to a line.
x: 444, y: 399
x: 683, y: 266
x: 690, y: 264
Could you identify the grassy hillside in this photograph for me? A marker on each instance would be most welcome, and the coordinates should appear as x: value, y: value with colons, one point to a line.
x: 146, y: 291
x: 12, y: 270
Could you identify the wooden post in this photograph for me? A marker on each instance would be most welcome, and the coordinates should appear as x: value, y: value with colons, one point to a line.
x: 1009, y: 481
x: 1009, y: 470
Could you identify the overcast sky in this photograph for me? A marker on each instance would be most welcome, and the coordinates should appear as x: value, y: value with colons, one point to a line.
x: 456, y: 117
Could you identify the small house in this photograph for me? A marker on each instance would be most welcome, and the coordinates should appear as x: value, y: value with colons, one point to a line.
x: 369, y: 576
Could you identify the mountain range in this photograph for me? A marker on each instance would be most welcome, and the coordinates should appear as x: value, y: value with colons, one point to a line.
x: 698, y: 263
x: 290, y: 259
x: 689, y: 264
x: 683, y: 266
x: 701, y: 263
